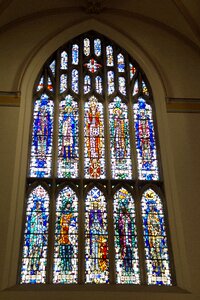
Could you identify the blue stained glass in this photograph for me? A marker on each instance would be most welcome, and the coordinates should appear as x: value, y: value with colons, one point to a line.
x: 126, y: 249
x: 34, y: 258
x: 156, y: 249
x: 75, y: 85
x: 97, y: 47
x: 120, y: 63
x: 64, y: 60
x: 41, y: 145
x: 87, y: 84
x: 66, y: 238
x: 96, y: 238
x: 145, y: 141
x: 68, y: 138
x: 75, y: 54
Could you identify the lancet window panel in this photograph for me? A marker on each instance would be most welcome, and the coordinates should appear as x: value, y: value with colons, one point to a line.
x: 93, y: 145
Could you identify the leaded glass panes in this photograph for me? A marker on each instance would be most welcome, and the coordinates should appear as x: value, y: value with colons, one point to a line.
x: 120, y: 63
x: 86, y: 47
x: 132, y: 70
x: 87, y: 84
x: 63, y: 83
x: 94, y: 151
x: 65, y: 268
x: 42, y: 138
x: 110, y: 82
x: 75, y: 81
x: 145, y: 141
x: 35, y: 242
x: 53, y: 67
x: 136, y: 88
x: 120, y: 151
x: 68, y: 138
x: 97, y: 47
x: 122, y: 85
x: 81, y: 141
x: 96, y: 238
x: 92, y: 65
x: 64, y: 60
x: 109, y: 56
x: 50, y: 85
x: 98, y: 84
x: 155, y: 240
x: 126, y: 249
x: 75, y: 54
x: 41, y: 84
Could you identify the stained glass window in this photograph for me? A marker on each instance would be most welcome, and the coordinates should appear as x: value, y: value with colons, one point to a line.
x: 110, y: 82
x: 75, y: 81
x: 63, y: 83
x: 34, y: 255
x: 96, y: 238
x: 86, y: 47
x: 126, y: 249
x: 64, y: 60
x: 97, y: 47
x: 94, y: 139
x: 91, y: 217
x: 68, y: 138
x: 121, y: 166
x: 42, y: 138
x: 155, y: 240
x: 65, y: 268
x: 145, y: 141
x: 75, y: 54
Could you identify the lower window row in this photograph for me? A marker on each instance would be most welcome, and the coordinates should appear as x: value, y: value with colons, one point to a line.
x: 127, y: 260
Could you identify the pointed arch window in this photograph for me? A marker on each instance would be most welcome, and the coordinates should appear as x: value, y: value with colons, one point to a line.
x: 95, y: 210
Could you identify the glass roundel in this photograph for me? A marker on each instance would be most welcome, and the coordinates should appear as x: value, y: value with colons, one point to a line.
x: 93, y: 146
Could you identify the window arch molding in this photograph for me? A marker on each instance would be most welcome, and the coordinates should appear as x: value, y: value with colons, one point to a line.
x: 25, y: 112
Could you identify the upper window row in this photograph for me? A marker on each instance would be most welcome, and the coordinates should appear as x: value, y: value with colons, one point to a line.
x: 111, y: 115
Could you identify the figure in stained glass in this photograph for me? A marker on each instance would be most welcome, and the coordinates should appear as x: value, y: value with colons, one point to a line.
x: 94, y: 133
x: 96, y: 237
x: 118, y: 131
x: 42, y: 138
x: 68, y: 138
x: 66, y: 242
x: 145, y: 141
x: 156, y: 250
x: 35, y: 238
x: 127, y: 264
